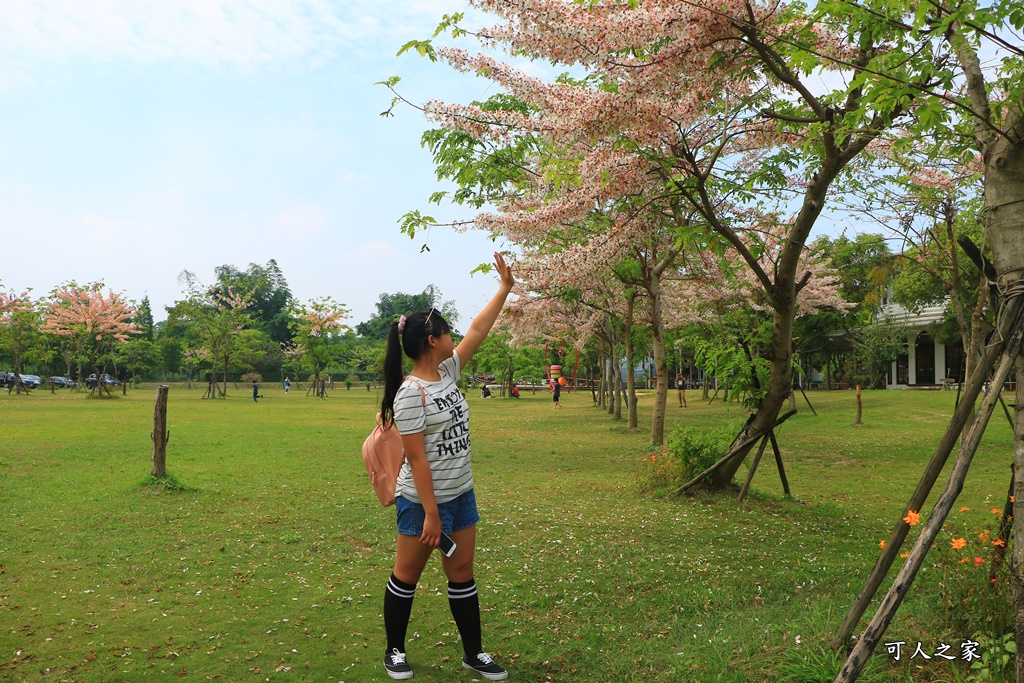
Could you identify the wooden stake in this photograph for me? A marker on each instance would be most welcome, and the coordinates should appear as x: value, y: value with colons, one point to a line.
x: 778, y: 462
x: 160, y: 434
x: 753, y: 468
x: 859, y: 406
x: 815, y: 412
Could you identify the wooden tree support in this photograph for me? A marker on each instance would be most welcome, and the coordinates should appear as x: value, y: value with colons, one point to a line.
x: 891, y: 602
x: 931, y: 474
x: 769, y: 437
x: 160, y: 435
x: 1005, y: 525
x: 778, y: 463
x: 735, y: 448
x: 815, y: 412
x: 753, y: 468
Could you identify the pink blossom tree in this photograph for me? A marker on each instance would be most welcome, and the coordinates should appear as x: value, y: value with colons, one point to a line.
x: 92, y: 320
x: 215, y: 319
x: 701, y: 110
x: 316, y: 323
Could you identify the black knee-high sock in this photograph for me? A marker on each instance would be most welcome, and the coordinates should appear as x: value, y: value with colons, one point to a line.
x: 465, y: 605
x: 398, y: 598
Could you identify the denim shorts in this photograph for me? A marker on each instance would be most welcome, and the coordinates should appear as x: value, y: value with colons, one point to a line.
x: 457, y: 514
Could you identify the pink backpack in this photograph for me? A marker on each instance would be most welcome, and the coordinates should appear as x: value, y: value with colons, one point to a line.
x: 383, y: 456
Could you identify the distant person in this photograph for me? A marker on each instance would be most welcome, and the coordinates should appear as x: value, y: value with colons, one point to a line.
x: 485, y: 392
x: 556, y: 390
x: 287, y: 384
x: 514, y: 391
x: 255, y: 392
x: 681, y: 387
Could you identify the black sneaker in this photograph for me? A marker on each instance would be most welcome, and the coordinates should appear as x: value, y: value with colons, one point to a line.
x: 396, y: 666
x: 485, y: 666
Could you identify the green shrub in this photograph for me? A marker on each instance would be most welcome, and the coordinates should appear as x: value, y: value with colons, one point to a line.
x: 687, y: 453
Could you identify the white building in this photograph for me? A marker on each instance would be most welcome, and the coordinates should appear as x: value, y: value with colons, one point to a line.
x: 927, y: 361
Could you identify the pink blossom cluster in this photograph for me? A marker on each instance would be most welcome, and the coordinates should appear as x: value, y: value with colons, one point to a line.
x: 322, y: 316
x: 12, y: 303
x: 86, y: 310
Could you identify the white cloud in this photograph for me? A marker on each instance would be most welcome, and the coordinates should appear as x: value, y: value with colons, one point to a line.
x: 208, y: 33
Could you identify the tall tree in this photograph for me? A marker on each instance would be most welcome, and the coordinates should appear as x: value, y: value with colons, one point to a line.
x: 95, y: 320
x: 213, y: 319
x: 266, y: 290
x: 704, y: 109
x: 316, y: 324
x: 390, y: 306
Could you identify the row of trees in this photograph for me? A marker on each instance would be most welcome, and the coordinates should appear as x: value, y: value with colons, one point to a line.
x: 247, y: 321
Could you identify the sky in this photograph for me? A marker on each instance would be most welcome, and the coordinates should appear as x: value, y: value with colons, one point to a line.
x: 141, y: 139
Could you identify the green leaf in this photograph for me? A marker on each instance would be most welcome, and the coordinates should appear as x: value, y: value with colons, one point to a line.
x: 423, y: 47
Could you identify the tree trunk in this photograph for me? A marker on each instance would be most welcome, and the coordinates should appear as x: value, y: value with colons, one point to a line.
x: 1017, y: 558
x: 1004, y: 208
x: 780, y: 385
x: 160, y: 434
x: 611, y: 374
x: 616, y: 401
x: 660, y: 365
x: 631, y: 422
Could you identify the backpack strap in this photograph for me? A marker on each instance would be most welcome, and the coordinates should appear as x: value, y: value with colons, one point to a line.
x: 423, y: 394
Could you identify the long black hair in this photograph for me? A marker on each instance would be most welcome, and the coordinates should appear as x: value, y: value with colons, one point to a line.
x: 413, y: 341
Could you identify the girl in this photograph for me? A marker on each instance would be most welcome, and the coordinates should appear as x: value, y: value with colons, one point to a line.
x: 434, y: 492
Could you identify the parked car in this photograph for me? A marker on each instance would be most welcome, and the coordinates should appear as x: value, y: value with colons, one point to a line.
x: 110, y: 381
x: 27, y: 381
x: 63, y: 382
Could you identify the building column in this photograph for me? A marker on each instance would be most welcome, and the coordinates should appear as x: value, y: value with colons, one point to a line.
x: 912, y: 359
x: 940, y: 362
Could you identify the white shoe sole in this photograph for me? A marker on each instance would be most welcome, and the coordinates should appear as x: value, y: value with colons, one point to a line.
x: 491, y: 677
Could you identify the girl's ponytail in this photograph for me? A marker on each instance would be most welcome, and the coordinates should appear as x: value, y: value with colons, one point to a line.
x: 412, y: 338
x: 392, y: 374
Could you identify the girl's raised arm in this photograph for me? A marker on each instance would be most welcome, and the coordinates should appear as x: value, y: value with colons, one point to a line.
x: 484, y: 321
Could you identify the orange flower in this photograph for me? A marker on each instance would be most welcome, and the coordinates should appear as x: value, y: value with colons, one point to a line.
x: 1011, y: 499
x: 964, y: 509
x: 881, y: 544
x: 984, y: 536
x: 912, y: 518
x: 966, y: 559
x: 978, y: 561
x: 996, y: 511
x: 905, y: 555
x: 958, y: 543
x: 999, y: 542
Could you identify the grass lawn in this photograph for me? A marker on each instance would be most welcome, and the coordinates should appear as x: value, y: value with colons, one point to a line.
x: 271, y: 565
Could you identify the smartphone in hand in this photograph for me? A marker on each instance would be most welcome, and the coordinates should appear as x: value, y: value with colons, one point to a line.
x: 447, y: 546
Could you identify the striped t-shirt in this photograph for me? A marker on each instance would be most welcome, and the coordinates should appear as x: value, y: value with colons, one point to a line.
x: 444, y: 422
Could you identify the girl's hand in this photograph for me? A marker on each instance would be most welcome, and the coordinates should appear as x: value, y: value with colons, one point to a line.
x: 431, y: 535
x: 504, y: 271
